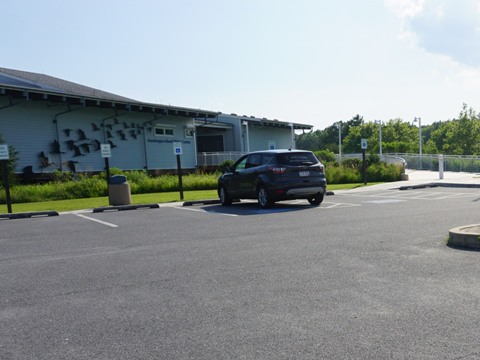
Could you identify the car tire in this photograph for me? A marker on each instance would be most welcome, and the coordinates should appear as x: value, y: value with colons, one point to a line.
x: 225, y: 198
x: 264, y: 199
x: 316, y: 199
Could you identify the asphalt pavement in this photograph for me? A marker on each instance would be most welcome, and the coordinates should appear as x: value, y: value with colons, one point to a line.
x: 366, y: 275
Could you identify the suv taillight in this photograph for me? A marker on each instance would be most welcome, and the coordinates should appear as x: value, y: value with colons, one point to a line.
x: 322, y: 169
x: 277, y: 170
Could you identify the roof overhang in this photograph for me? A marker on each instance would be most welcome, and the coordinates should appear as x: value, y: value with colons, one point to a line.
x: 18, y: 93
x: 255, y: 122
x: 205, y: 123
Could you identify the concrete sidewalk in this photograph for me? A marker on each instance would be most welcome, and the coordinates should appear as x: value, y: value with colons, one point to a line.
x: 418, y: 178
x: 425, y: 178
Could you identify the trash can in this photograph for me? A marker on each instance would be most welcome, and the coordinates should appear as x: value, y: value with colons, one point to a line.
x: 119, y: 191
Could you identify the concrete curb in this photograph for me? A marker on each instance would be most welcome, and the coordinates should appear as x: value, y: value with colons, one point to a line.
x: 437, y: 184
x: 201, y: 202
x: 467, y: 236
x: 125, y: 207
x: 27, y: 215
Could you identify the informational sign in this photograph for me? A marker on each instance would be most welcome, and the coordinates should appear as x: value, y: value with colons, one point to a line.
x: 271, y: 145
x: 364, y: 144
x: 106, y: 150
x: 177, y: 148
x: 4, y: 154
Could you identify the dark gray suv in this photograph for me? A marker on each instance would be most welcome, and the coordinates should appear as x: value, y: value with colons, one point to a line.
x: 274, y: 175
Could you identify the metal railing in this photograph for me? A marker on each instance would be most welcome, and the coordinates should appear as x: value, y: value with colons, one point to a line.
x: 464, y: 163
x: 206, y: 159
x: 388, y: 158
x: 457, y: 163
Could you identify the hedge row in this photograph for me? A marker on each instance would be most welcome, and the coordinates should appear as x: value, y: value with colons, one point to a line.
x: 68, y: 186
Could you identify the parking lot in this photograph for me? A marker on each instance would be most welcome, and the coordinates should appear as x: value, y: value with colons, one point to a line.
x: 367, y: 275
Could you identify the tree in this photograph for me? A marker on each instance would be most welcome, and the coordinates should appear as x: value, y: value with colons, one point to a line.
x: 456, y: 137
x: 327, y: 139
x: 398, y: 137
x: 352, y: 142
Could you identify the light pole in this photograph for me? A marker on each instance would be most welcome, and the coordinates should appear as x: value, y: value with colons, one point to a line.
x: 246, y: 135
x: 339, y: 125
x: 292, y: 135
x: 419, y: 138
x: 379, y: 122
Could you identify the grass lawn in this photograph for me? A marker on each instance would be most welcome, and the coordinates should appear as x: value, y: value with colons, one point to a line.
x: 89, y: 203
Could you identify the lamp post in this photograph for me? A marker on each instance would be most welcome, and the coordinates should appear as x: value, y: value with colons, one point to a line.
x: 339, y: 126
x: 247, y: 143
x: 419, y: 138
x: 379, y: 122
x: 292, y: 135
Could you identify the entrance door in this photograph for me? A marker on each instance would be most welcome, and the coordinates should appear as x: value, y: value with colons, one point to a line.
x: 210, y: 143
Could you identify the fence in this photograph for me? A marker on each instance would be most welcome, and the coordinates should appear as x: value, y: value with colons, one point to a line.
x: 411, y: 161
x: 465, y: 163
x: 207, y: 159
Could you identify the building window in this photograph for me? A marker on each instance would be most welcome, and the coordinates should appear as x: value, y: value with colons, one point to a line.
x: 164, y: 130
x: 189, y: 132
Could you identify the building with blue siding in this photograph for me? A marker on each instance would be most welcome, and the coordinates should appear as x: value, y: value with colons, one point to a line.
x: 55, y: 124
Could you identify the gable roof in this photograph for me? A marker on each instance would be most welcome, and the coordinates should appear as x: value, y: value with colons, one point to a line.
x: 37, y: 81
x: 35, y: 86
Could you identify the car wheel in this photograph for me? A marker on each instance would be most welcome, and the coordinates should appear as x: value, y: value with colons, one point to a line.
x: 264, y: 199
x: 316, y: 199
x: 224, y: 197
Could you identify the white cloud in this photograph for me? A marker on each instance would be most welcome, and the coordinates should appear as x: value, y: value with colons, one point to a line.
x: 470, y: 78
x: 405, y: 8
x: 444, y: 27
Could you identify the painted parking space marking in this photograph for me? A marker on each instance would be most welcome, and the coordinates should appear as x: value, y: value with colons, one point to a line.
x: 251, y: 208
x: 415, y: 195
x: 384, y: 201
x: 97, y: 221
x: 329, y: 205
x: 201, y: 210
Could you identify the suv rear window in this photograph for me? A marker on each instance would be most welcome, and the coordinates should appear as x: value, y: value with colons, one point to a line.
x: 297, y: 158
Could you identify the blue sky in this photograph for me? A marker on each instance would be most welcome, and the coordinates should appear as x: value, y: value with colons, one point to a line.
x: 306, y: 61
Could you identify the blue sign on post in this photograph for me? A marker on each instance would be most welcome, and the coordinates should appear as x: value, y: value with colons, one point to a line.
x: 364, y: 144
x: 177, y: 148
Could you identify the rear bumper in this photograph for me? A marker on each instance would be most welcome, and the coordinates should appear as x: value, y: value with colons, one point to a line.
x: 306, y: 191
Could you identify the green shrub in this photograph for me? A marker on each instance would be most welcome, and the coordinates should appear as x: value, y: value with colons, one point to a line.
x: 352, y: 163
x: 225, y: 166
x: 342, y: 175
x: 325, y: 156
x: 72, y: 186
x: 383, y: 172
x: 373, y: 159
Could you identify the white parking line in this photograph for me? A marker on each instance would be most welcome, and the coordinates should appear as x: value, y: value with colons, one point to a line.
x: 384, y: 201
x: 96, y: 220
x: 203, y: 211
x: 327, y: 205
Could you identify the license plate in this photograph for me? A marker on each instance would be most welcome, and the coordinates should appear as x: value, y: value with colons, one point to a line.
x: 304, y: 173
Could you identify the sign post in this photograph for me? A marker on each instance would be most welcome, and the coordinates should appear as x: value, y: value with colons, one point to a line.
x: 364, y: 161
x: 106, y: 154
x: 440, y: 166
x: 177, y: 150
x: 4, y: 157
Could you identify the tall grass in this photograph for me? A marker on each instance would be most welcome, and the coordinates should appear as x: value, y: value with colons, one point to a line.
x: 65, y: 186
